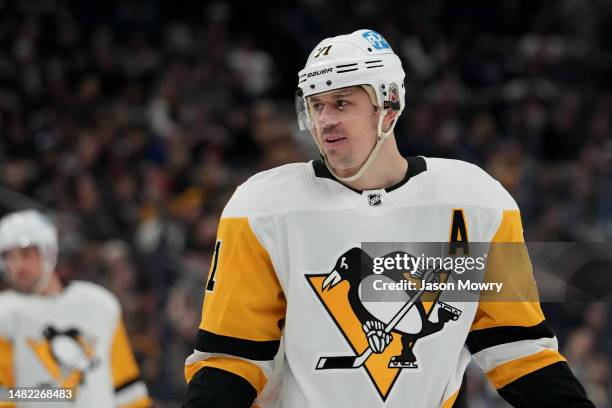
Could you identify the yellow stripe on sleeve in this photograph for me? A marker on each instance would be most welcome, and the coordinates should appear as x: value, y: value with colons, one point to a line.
x: 506, y: 373
x: 249, y: 371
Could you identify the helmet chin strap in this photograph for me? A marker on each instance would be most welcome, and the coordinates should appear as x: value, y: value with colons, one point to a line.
x: 380, y: 139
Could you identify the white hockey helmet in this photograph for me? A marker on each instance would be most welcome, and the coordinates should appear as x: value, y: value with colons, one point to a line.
x: 362, y: 58
x: 30, y: 228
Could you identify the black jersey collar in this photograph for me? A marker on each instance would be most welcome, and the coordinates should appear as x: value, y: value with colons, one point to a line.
x: 416, y: 165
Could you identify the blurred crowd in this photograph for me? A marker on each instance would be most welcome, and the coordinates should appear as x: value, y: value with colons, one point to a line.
x: 132, y: 122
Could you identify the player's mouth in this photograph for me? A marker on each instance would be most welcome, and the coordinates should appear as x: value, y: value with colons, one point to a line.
x: 332, y: 141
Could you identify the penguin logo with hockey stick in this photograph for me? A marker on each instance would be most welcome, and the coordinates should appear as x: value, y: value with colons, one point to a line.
x: 67, y: 355
x: 382, y: 332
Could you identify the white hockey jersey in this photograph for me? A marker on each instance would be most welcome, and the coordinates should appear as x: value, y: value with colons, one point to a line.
x: 73, y: 339
x: 286, y: 230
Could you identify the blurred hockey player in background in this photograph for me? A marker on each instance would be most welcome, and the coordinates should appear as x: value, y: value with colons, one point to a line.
x: 52, y: 334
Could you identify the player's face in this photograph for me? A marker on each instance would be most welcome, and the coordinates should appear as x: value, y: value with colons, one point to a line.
x: 24, y: 267
x: 345, y: 126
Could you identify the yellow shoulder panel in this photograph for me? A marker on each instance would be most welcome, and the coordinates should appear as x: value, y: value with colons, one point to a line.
x: 246, y: 300
x: 123, y: 365
x: 510, y: 264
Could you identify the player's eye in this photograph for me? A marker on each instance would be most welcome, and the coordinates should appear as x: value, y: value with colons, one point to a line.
x: 317, y: 106
x: 341, y: 103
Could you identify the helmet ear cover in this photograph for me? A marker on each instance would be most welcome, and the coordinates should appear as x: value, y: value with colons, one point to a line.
x: 393, y: 100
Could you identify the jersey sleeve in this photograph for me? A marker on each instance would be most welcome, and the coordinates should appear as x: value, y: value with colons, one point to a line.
x: 242, y: 318
x: 510, y: 339
x: 130, y: 390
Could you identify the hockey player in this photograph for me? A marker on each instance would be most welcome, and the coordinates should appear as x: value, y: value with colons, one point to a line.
x: 54, y: 336
x: 285, y: 287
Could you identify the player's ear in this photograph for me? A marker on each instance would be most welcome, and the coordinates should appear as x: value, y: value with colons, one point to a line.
x: 390, y: 115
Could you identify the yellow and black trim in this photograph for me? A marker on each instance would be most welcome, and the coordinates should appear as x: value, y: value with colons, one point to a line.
x: 130, y: 390
x: 209, y: 342
x: 534, y: 379
x: 242, y: 320
x: 505, y: 373
x: 124, y: 368
x: 479, y: 340
x: 245, y: 369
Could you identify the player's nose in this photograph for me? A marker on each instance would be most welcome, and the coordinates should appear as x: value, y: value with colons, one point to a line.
x: 328, y: 116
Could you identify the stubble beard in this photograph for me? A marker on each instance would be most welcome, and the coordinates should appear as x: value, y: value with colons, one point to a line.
x: 342, y: 162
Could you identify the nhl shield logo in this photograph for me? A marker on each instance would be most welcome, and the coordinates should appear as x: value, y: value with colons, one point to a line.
x: 375, y: 199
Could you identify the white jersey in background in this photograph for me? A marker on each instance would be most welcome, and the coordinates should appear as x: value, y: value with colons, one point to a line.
x: 73, y: 339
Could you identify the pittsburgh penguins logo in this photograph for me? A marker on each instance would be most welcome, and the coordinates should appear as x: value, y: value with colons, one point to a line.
x: 67, y: 355
x: 382, y: 327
